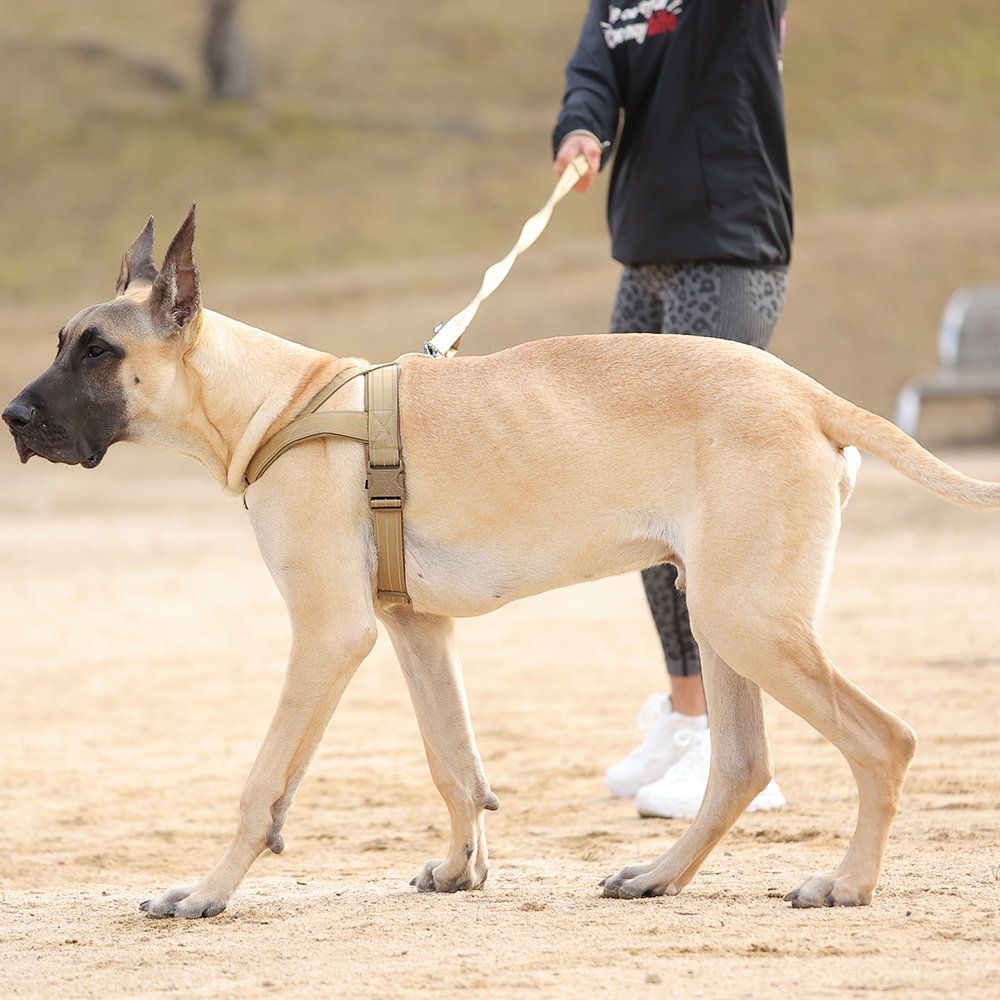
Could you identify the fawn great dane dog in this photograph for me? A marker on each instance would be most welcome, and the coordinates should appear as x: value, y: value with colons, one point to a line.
x: 548, y: 464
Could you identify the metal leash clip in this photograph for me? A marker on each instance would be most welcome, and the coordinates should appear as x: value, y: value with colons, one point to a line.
x: 429, y: 348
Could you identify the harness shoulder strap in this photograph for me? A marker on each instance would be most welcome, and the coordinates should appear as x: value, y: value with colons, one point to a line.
x: 343, y: 423
x: 378, y: 427
x: 309, y: 425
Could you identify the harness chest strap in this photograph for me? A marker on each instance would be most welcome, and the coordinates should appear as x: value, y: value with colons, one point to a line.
x: 378, y: 427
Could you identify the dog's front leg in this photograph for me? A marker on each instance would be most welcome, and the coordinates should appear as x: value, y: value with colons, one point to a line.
x: 425, y: 645
x: 319, y: 564
x: 318, y: 672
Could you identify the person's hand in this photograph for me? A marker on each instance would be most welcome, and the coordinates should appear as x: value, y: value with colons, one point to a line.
x: 572, y: 147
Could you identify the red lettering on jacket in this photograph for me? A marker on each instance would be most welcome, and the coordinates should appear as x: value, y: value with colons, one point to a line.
x: 661, y: 22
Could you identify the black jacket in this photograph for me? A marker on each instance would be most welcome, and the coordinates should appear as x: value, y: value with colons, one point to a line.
x: 701, y: 164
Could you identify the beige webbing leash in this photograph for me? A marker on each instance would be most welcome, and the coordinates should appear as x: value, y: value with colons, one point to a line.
x: 447, y: 336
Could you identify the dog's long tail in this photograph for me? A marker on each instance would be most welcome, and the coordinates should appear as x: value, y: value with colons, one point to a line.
x: 846, y: 424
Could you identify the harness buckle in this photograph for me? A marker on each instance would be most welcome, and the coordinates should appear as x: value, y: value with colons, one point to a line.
x: 385, y: 482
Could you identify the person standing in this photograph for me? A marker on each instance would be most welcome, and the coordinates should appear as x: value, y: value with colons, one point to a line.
x: 689, y: 94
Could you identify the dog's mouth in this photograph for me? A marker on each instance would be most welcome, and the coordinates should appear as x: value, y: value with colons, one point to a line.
x: 58, y: 456
x: 23, y: 451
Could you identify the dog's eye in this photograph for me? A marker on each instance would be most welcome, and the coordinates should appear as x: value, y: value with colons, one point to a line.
x: 95, y: 351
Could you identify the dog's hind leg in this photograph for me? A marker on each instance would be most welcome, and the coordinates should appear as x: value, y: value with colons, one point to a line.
x: 755, y: 589
x: 425, y: 646
x: 783, y: 655
x: 878, y: 747
x: 740, y: 768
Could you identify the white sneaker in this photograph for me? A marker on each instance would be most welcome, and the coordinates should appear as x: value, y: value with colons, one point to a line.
x: 678, y: 794
x: 770, y: 798
x: 666, y: 742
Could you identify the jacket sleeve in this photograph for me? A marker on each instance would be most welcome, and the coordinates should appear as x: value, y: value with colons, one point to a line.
x: 592, y: 97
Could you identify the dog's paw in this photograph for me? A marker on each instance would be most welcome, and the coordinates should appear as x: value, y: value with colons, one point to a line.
x: 828, y: 890
x: 635, y: 882
x: 184, y: 902
x: 436, y: 878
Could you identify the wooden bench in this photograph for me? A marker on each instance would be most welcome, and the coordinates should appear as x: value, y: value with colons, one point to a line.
x: 969, y: 350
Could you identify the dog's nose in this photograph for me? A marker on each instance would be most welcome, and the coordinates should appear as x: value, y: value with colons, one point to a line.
x: 18, y: 415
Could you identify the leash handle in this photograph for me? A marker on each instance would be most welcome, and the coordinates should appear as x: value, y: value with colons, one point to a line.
x: 448, y: 336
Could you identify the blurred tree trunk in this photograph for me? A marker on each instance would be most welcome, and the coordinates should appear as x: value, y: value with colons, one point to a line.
x: 230, y: 67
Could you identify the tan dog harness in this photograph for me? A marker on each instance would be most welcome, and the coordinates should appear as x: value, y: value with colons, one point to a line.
x: 378, y: 426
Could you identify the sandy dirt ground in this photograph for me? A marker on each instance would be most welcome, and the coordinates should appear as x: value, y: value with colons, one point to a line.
x: 142, y: 646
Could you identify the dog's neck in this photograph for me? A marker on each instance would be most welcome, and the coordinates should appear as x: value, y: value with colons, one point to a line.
x: 249, y: 384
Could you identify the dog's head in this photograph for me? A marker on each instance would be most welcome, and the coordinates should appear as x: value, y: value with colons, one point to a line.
x: 111, y: 356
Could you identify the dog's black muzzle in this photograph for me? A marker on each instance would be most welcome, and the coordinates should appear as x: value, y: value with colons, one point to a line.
x: 37, y: 431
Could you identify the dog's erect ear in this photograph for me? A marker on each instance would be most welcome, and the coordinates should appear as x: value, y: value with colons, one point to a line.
x: 137, y: 264
x: 176, y: 295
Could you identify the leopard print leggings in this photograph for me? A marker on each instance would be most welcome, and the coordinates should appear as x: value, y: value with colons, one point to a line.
x: 703, y: 299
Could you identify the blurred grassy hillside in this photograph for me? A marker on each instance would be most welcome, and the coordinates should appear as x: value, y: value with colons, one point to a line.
x: 398, y: 131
